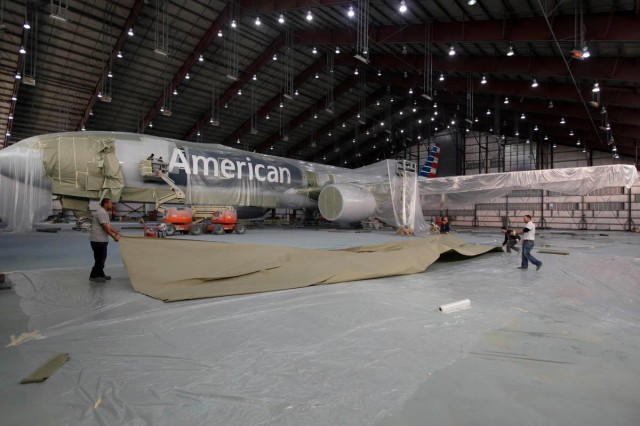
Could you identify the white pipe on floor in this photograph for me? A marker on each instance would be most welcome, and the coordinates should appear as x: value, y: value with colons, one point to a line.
x: 455, y: 306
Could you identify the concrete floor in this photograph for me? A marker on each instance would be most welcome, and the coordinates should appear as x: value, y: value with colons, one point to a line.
x: 556, y: 347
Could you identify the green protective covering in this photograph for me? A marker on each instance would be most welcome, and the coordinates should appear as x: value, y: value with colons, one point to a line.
x: 91, y: 172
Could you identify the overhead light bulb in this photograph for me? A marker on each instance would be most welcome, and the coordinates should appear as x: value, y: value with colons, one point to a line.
x: 484, y: 80
x: 578, y: 143
x: 410, y: 90
x: 562, y: 120
x: 608, y: 126
x: 201, y: 58
x: 175, y: 91
x: 219, y: 33
x: 18, y: 76
x: 471, y: 2
x: 26, y: 25
x: 522, y: 117
x: 488, y: 112
x: 356, y: 71
x: 571, y: 133
x: 281, y: 105
x: 99, y: 94
x: 239, y: 92
x: 535, y: 128
x: 22, y: 50
x: 452, y: 50
x: 596, y: 88
x: 275, y: 57
x: 281, y: 19
x: 550, y: 105
x: 546, y: 138
x: 83, y: 128
x: 441, y: 77
x: 187, y: 76
x: 309, y: 16
x: 314, y: 51
x: 510, y: 52
x: 534, y: 83
x: 527, y: 141
x: 233, y: 23
x: 337, y: 50
x: 258, y: 21
x: 554, y: 146
x: 198, y: 133
x: 585, y: 52
x: 475, y: 120
x: 296, y: 92
x: 267, y: 117
x: 119, y: 54
x: 317, y: 75
x: 403, y: 7
x: 255, y: 77
x: 130, y: 32
x: 350, y: 12
x: 151, y: 125
x: 10, y: 116
x: 110, y: 74
x: 506, y: 100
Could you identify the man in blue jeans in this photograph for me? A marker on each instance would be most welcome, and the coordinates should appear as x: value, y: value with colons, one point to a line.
x: 99, y: 235
x: 528, y: 238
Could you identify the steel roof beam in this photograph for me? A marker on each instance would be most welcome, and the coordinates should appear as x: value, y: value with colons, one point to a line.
x: 274, y: 101
x: 242, y: 79
x: 131, y: 19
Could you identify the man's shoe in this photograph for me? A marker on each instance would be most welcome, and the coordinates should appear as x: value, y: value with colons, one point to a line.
x: 523, y: 267
x: 107, y: 277
x: 538, y: 267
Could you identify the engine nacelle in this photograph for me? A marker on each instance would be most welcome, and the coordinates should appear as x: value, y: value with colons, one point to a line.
x: 346, y: 203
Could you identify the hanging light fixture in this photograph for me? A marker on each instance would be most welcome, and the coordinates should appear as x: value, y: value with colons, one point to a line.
x: 350, y: 12
x: 571, y: 133
x: 506, y: 100
x: 337, y: 50
x: 535, y: 128
x: 219, y: 33
x: 255, y: 77
x: 130, y: 32
x: 484, y: 80
x: 175, y: 92
x: 119, y: 54
x: 488, y: 111
x: 578, y: 143
x: 403, y: 7
x: 281, y: 19
x: 22, y: 50
x: 510, y: 52
x: 233, y: 23
x: 356, y: 71
x: 317, y: 75
x: 309, y: 16
x: 258, y: 23
x: 452, y: 50
x: 187, y: 76
x: 562, y: 121
x: 471, y: 2
x: 546, y: 138
x: 314, y: 51
x: 596, y: 87
x: 18, y: 76
x: 523, y: 116
x: 534, y: 83
x: 441, y: 77
x: 275, y: 57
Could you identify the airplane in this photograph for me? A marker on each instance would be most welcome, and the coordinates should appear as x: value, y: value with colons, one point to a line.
x: 81, y: 166
x: 430, y: 166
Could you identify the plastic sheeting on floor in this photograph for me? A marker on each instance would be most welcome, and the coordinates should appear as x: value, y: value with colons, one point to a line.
x: 175, y: 269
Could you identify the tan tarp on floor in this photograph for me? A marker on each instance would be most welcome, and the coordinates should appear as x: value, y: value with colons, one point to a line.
x: 175, y: 269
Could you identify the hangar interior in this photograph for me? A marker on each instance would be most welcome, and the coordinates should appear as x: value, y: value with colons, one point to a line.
x: 499, y: 85
x: 557, y: 346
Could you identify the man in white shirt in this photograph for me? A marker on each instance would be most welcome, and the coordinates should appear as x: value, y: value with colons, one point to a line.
x: 99, y: 235
x: 528, y: 237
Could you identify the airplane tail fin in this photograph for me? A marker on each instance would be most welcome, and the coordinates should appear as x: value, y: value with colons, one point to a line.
x: 430, y: 167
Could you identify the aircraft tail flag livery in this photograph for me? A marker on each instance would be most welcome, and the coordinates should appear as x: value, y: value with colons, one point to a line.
x: 430, y: 167
x: 76, y: 167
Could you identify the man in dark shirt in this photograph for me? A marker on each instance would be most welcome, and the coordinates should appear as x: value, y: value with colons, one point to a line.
x: 510, y: 239
x: 445, y: 228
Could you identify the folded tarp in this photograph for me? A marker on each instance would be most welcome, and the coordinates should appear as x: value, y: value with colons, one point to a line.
x: 175, y: 269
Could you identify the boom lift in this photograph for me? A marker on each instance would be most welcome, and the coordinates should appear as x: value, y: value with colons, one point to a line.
x: 193, y: 220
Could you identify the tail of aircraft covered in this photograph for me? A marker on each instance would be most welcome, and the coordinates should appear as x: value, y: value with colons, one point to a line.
x: 430, y: 167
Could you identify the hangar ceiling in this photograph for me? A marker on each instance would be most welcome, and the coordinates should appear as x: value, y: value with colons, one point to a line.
x: 335, y: 88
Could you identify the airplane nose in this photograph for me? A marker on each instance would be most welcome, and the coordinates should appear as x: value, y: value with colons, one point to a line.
x: 25, y: 190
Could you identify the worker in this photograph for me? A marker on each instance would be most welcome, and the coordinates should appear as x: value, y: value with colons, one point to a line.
x: 160, y: 160
x: 445, y: 228
x: 99, y: 235
x: 150, y: 157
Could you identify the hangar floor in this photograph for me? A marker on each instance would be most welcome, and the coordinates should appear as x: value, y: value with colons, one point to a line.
x: 556, y: 347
